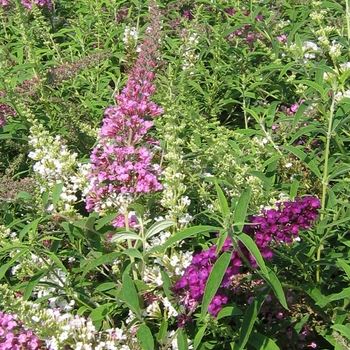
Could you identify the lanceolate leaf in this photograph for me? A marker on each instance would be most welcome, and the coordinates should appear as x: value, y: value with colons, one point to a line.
x: 344, y: 266
x: 253, y: 249
x: 268, y: 275
x: 260, y: 341
x: 249, y: 319
x: 199, y: 336
x: 214, y: 280
x: 99, y: 261
x: 305, y: 158
x: 122, y: 236
x: 186, y: 233
x: 144, y: 335
x: 57, y: 194
x: 222, y: 200
x: 158, y: 227
x: 182, y: 340
x: 241, y: 208
x: 130, y: 296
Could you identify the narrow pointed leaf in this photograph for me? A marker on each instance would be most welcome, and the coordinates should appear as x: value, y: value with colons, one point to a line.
x: 56, y: 194
x: 260, y: 341
x: 199, y: 336
x: 130, y: 295
x: 241, y: 208
x: 222, y: 200
x: 344, y: 266
x: 249, y: 319
x: 305, y: 158
x: 214, y: 280
x: 253, y: 249
x: 122, y: 236
x: 158, y: 227
x: 186, y: 233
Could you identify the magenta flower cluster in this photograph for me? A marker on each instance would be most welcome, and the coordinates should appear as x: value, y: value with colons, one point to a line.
x: 29, y: 3
x: 13, y: 336
x: 282, y: 225
x: 122, y: 160
x: 268, y: 230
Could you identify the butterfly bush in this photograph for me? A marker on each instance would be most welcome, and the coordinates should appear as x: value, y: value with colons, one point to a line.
x: 122, y: 160
x: 268, y: 230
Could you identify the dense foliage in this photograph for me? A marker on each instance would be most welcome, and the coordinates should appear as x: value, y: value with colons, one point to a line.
x: 174, y: 174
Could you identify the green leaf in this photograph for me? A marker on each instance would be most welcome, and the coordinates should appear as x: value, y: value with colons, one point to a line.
x: 249, y: 319
x: 344, y: 266
x: 30, y: 228
x: 101, y: 312
x: 144, y: 335
x: 196, y: 86
x: 299, y: 325
x: 166, y: 284
x: 271, y: 160
x: 45, y: 198
x: 105, y: 286
x: 158, y: 227
x: 24, y: 195
x: 32, y: 283
x: 305, y: 158
x: 5, y: 267
x: 130, y: 295
x: 294, y: 188
x: 199, y: 336
x: 287, y: 67
x: 55, y: 259
x: 268, y: 275
x: 253, y: 249
x: 260, y: 341
x: 306, y: 130
x: 267, y: 181
x: 344, y: 294
x: 214, y: 280
x: 339, y: 170
x: 122, y: 236
x: 106, y: 220
x: 241, y: 208
x: 343, y: 330
x: 276, y: 286
x: 133, y: 252
x: 182, y: 340
x: 221, y: 240
x: 99, y: 261
x: 186, y: 233
x: 56, y: 194
x: 313, y: 85
x: 222, y: 200
x: 229, y: 311
x: 163, y: 329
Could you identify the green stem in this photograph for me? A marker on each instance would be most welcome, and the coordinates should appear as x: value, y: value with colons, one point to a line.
x: 325, y: 175
x: 347, y: 16
x: 132, y: 259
